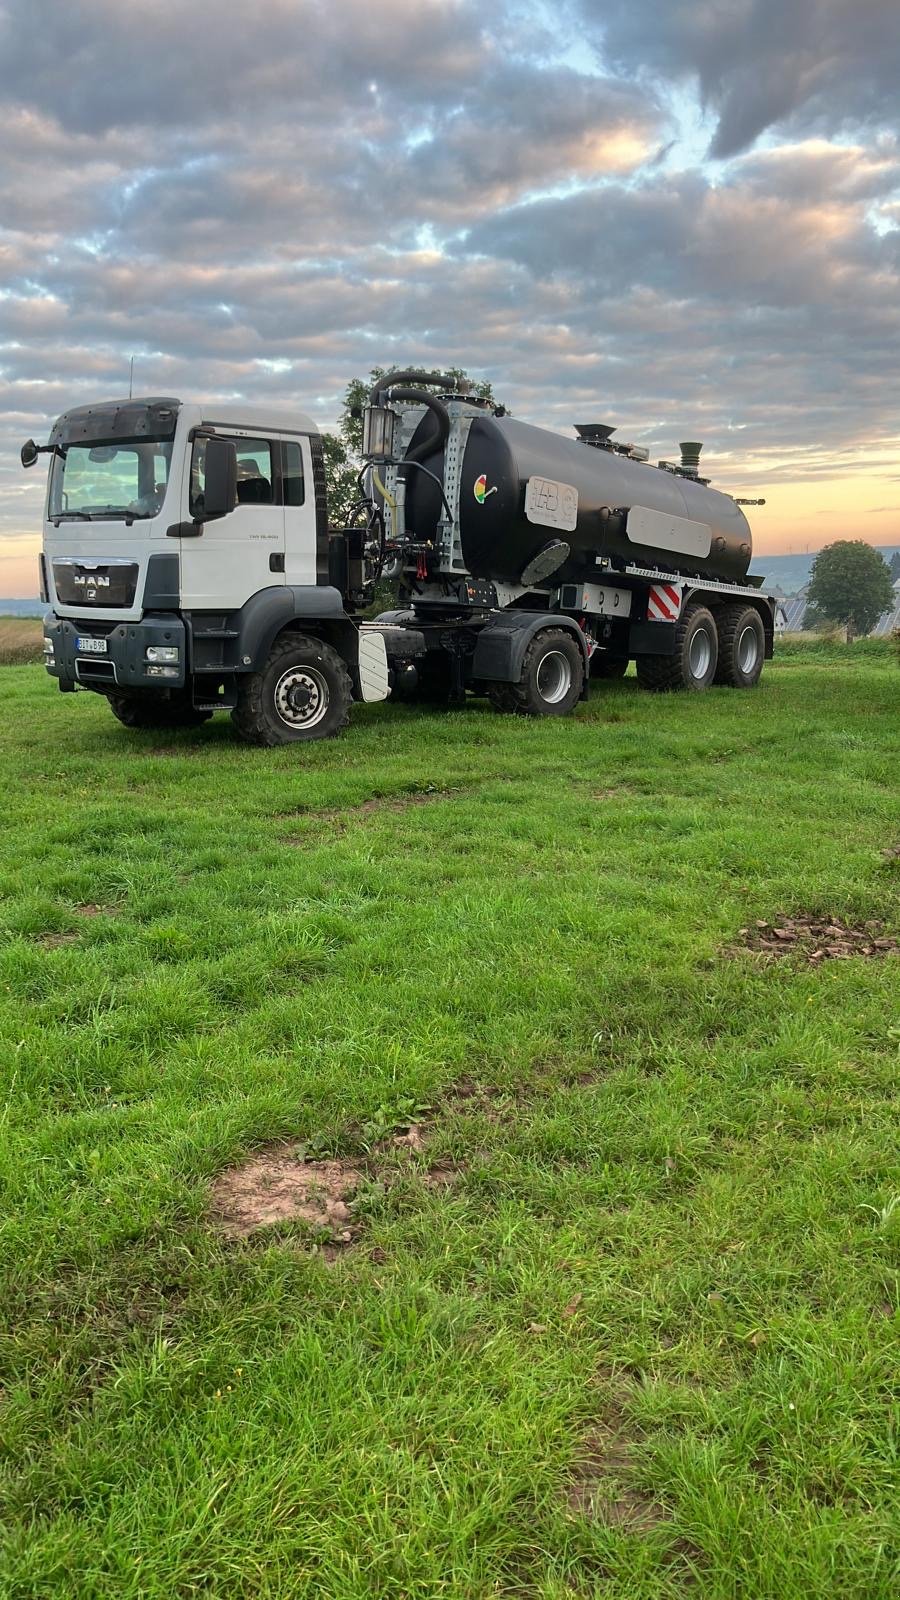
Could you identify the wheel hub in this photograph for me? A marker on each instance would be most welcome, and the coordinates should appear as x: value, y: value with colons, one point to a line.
x: 700, y: 653
x: 554, y: 677
x: 301, y: 697
x: 747, y: 650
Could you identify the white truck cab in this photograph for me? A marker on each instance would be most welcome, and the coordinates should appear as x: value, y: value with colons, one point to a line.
x: 186, y: 557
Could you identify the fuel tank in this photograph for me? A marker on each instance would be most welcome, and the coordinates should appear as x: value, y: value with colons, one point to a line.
x: 522, y: 487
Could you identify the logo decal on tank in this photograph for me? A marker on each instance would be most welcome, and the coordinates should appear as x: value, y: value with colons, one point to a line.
x: 481, y: 489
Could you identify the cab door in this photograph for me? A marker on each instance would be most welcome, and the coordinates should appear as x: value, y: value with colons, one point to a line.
x: 300, y: 518
x: 234, y: 557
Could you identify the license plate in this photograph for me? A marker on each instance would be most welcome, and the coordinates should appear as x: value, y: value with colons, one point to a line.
x: 90, y: 647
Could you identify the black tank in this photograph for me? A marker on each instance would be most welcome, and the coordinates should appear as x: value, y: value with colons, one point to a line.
x: 499, y: 539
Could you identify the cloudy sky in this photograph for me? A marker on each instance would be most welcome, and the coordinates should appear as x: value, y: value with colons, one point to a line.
x: 682, y: 216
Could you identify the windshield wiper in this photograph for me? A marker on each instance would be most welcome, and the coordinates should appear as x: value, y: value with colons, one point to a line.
x: 70, y: 516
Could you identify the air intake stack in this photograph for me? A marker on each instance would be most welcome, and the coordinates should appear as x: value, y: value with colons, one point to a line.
x: 690, y: 458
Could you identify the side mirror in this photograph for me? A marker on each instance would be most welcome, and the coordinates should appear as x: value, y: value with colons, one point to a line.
x: 220, y: 479
x: 29, y: 453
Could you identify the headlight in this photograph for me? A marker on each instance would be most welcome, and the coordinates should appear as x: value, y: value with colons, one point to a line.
x: 162, y: 652
x: 49, y: 651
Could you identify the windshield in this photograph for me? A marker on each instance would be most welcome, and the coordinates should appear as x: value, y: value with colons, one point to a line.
x: 126, y: 479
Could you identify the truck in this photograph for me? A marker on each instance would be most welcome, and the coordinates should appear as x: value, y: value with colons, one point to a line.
x: 188, y: 565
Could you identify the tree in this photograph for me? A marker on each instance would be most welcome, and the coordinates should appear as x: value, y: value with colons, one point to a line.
x: 850, y: 583
x: 340, y: 480
x: 342, y: 450
x: 895, y: 566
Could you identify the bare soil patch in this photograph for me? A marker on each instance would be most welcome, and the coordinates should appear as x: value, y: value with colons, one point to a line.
x: 279, y: 1185
x: 53, y: 940
x: 344, y: 815
x: 818, y: 939
x: 602, y: 1486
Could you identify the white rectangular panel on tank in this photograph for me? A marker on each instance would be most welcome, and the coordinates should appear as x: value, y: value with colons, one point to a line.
x: 550, y: 504
x: 661, y: 531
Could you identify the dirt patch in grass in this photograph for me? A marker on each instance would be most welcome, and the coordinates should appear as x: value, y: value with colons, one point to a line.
x: 344, y: 815
x: 52, y: 940
x: 279, y: 1185
x: 602, y: 1486
x: 818, y: 940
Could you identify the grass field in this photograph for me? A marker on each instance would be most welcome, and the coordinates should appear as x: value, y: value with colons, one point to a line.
x: 21, y: 640
x: 618, y: 1317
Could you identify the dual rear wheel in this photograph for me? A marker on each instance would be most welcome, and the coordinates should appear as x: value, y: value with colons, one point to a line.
x: 727, y: 648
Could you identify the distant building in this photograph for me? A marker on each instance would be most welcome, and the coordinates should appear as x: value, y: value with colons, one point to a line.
x: 790, y: 615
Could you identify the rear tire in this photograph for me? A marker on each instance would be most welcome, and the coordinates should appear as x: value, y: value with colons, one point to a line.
x: 303, y: 692
x: 551, y: 681
x: 152, y: 711
x: 742, y: 646
x: 693, y: 663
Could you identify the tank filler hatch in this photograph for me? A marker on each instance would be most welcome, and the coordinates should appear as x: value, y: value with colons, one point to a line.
x: 599, y: 435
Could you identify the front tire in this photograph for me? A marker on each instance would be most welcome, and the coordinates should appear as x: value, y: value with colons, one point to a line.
x: 551, y: 680
x: 693, y: 662
x: 742, y: 646
x: 152, y: 711
x: 303, y: 692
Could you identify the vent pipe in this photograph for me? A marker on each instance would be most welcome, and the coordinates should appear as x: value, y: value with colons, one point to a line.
x: 690, y: 458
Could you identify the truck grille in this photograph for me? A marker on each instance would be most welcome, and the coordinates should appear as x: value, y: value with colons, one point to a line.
x: 101, y: 583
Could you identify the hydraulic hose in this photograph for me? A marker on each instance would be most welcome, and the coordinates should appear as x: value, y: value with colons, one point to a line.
x: 438, y: 410
x: 428, y: 380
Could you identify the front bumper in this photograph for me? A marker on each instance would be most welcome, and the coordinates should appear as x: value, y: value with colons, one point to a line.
x: 124, y: 663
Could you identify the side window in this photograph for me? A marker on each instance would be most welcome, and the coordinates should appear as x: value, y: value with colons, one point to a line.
x: 292, y: 473
x: 254, y: 473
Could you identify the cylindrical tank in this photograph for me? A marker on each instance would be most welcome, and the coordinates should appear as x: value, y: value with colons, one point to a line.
x: 499, y: 539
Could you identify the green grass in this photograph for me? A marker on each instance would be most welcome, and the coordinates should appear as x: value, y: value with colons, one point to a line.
x: 699, y: 1145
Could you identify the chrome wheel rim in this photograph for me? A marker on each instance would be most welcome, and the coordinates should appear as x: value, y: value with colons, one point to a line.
x: 554, y: 677
x: 748, y: 649
x: 700, y: 653
x: 301, y: 697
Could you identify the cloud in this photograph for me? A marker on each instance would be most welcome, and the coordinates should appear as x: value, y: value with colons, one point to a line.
x: 265, y: 201
x: 812, y: 65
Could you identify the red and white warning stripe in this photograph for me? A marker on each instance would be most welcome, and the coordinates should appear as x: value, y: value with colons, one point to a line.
x: 664, y: 602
